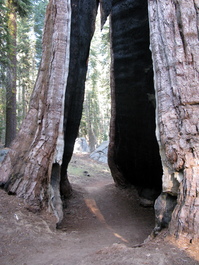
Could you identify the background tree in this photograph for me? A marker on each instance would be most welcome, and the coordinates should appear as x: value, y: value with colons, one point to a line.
x: 29, y: 47
x: 3, y: 64
x: 13, y: 8
x: 26, y: 70
x: 28, y: 51
x: 39, y: 10
x: 11, y: 75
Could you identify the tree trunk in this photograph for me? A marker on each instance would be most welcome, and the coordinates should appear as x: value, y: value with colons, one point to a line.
x: 82, y: 29
x: 11, y: 122
x: 175, y: 51
x: 26, y: 170
x: 36, y: 166
x: 115, y: 172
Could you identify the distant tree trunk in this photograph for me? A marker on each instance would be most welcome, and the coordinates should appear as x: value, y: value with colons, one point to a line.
x: 175, y: 50
x: 26, y: 171
x: 90, y: 121
x: 11, y: 122
x: 91, y: 138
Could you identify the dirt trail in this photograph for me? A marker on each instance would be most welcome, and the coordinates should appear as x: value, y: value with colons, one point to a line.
x: 103, y: 212
x: 102, y: 224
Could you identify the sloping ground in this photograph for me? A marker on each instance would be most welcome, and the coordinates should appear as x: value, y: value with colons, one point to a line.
x: 103, y: 226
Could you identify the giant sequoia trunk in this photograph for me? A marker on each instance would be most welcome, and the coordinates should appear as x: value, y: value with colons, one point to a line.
x: 175, y: 49
x: 36, y: 166
x: 27, y: 168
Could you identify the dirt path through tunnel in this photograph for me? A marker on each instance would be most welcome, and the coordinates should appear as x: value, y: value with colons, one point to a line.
x: 106, y: 214
x: 101, y: 225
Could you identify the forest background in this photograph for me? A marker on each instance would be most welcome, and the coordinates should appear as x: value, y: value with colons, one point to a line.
x: 21, y: 27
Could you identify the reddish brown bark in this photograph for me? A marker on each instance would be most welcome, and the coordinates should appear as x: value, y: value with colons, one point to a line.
x: 175, y: 51
x: 27, y: 168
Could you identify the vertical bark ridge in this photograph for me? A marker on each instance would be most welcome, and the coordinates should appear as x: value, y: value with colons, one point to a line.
x: 175, y: 51
x: 196, y: 5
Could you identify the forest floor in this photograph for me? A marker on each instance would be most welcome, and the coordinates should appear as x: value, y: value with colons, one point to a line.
x: 103, y: 225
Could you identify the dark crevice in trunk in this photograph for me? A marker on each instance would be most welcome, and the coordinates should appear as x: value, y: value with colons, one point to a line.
x: 135, y: 153
x: 82, y: 29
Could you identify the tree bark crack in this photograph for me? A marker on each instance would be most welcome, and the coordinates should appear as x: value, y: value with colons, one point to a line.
x: 196, y: 5
x: 180, y: 24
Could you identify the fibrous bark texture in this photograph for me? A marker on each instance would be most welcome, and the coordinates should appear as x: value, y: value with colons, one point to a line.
x: 175, y: 51
x: 27, y: 168
x: 133, y: 150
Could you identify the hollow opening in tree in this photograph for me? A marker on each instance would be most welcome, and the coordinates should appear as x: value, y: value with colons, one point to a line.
x: 133, y: 151
x: 94, y: 126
